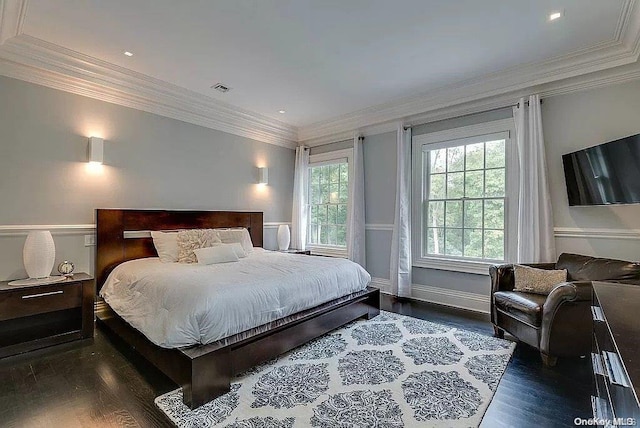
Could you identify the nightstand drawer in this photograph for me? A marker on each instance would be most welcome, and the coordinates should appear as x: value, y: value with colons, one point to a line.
x: 38, y: 300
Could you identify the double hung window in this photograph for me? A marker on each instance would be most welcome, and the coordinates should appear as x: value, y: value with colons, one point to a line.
x: 329, y: 190
x: 464, y: 196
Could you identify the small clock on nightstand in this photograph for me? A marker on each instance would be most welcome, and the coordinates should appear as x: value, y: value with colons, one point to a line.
x: 36, y: 316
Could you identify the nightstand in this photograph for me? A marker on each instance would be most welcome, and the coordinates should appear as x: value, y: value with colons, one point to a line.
x: 37, y: 316
x: 294, y: 251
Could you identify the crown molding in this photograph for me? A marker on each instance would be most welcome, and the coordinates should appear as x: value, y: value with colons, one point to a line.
x: 629, y: 27
x: 621, y: 50
x: 609, y: 77
x: 37, y: 61
x: 12, y: 13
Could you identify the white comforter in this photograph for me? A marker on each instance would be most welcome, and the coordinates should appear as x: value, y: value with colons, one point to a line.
x: 176, y: 305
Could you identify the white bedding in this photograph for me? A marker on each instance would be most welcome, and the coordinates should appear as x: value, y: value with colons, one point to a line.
x: 176, y: 304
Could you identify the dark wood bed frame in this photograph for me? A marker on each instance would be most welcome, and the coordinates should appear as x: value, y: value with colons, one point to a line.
x: 205, y: 371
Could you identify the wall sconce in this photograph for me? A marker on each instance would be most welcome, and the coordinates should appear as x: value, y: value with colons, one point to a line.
x: 96, y: 150
x: 263, y: 175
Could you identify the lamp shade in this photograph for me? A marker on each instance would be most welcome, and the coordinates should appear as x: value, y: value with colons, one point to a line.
x: 39, y: 254
x: 284, y: 237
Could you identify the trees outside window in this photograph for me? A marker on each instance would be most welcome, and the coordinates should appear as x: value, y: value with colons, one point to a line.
x: 328, y: 198
x: 329, y: 184
x: 464, y: 196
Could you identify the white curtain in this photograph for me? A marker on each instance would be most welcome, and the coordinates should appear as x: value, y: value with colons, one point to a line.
x: 356, y: 240
x: 535, y: 219
x: 401, y: 238
x: 300, y: 190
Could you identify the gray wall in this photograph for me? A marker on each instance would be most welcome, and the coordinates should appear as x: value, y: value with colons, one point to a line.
x: 380, y: 199
x: 571, y: 122
x: 150, y: 162
x: 576, y: 121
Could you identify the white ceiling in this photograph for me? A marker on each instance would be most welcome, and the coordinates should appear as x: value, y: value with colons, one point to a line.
x: 321, y: 59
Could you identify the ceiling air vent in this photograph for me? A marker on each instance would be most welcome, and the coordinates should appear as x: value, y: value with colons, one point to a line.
x: 221, y: 88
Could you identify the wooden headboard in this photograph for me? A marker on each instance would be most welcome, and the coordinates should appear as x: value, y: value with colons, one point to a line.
x: 123, y: 235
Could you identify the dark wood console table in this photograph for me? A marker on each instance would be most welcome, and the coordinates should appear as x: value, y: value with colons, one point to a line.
x: 616, y: 353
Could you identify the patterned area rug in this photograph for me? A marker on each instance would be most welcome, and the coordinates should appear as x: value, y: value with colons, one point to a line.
x: 391, y: 371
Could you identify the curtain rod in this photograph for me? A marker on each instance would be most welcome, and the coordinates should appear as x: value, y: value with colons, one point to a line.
x: 472, y: 114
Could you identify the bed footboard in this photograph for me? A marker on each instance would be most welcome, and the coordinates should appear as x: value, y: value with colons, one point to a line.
x: 205, y: 372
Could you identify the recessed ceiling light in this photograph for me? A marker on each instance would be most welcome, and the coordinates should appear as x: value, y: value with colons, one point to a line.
x: 555, y: 15
x: 281, y: 111
x: 127, y: 53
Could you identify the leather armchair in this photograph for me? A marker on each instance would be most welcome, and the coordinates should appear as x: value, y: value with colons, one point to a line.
x: 558, y: 324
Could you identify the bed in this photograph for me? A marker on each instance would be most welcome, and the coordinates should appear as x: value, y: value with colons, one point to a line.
x: 204, y: 365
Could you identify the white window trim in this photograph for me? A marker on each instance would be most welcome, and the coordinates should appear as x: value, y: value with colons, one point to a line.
x: 452, y: 137
x: 324, y: 159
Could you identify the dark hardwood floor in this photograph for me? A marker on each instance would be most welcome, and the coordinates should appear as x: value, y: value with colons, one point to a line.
x: 529, y: 394
x: 103, y: 383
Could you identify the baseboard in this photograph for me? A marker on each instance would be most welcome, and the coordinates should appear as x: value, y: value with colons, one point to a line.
x: 383, y: 284
x: 441, y: 296
x: 457, y: 299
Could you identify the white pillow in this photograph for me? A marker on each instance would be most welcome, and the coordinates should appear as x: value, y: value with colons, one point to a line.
x: 241, y: 235
x: 217, y: 254
x: 166, y: 244
x: 237, y: 248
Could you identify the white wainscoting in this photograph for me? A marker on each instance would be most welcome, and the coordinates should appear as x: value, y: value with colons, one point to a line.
x: 56, y: 229
x: 379, y: 226
x: 274, y: 224
x: 71, y: 244
x: 574, y: 232
x: 17, y: 230
x: 559, y: 232
x: 78, y: 229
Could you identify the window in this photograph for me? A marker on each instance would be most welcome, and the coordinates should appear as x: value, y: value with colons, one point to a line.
x: 329, y: 187
x: 463, y: 196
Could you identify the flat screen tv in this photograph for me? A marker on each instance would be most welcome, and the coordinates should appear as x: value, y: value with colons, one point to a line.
x: 604, y: 174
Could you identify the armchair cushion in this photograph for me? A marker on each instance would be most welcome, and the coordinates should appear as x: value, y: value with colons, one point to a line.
x: 526, y: 307
x: 586, y: 268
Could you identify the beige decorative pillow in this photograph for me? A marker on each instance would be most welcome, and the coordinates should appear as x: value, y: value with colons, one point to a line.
x: 538, y: 281
x: 237, y: 235
x: 166, y: 244
x: 189, y: 240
